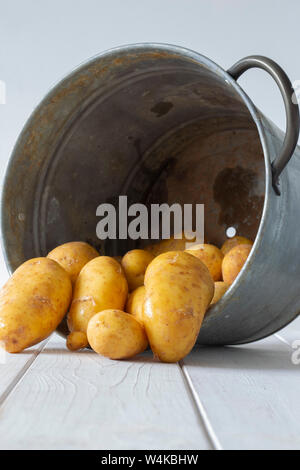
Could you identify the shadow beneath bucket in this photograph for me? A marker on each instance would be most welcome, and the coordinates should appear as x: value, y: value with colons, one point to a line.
x: 264, y: 355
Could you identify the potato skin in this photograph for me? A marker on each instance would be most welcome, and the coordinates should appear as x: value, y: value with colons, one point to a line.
x: 211, y: 256
x: 172, y: 244
x: 116, y: 334
x: 220, y: 288
x: 32, y: 303
x: 234, y: 241
x: 100, y: 285
x: 135, y: 263
x: 179, y: 289
x: 135, y: 303
x: 233, y: 262
x: 77, y: 340
x: 73, y: 256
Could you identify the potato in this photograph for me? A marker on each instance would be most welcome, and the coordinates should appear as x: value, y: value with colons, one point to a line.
x: 220, y: 289
x: 73, y: 256
x: 179, y: 289
x: 100, y: 285
x: 171, y: 244
x: 32, y: 303
x: 77, y: 340
x: 233, y: 262
x: 116, y: 334
x: 234, y: 241
x: 211, y: 256
x: 134, y: 264
x: 135, y: 303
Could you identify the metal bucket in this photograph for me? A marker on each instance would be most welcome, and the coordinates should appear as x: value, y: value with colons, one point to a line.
x: 160, y: 123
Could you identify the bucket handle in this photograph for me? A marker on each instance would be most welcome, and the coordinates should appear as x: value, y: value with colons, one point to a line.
x: 291, y: 107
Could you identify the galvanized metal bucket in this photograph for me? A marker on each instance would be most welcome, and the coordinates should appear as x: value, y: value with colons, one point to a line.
x: 161, y: 123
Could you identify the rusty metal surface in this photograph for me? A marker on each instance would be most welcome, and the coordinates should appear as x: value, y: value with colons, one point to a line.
x: 158, y: 123
x: 215, y: 161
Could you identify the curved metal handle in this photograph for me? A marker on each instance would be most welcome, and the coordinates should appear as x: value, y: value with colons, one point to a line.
x: 291, y: 108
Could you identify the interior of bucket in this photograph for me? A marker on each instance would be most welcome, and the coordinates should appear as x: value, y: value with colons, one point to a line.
x: 168, y: 131
x: 157, y: 126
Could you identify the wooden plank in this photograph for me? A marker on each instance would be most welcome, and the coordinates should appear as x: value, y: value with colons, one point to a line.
x: 250, y: 394
x: 14, y: 366
x: 84, y: 401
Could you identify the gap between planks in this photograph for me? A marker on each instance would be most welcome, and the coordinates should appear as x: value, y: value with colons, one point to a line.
x: 203, y: 416
x: 204, y: 422
x: 149, y: 408
x: 22, y: 372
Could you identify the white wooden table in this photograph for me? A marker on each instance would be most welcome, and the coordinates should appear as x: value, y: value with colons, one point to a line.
x: 244, y: 397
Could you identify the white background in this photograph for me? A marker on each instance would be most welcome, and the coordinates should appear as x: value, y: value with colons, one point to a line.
x: 41, y: 41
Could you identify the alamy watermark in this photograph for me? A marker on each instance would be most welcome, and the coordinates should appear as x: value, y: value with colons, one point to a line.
x: 159, y: 221
x: 296, y: 354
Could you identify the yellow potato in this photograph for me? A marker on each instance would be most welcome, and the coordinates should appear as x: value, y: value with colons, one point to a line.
x: 233, y: 262
x: 220, y: 289
x: 134, y: 264
x: 116, y: 334
x: 234, y: 241
x: 135, y: 303
x: 179, y: 289
x: 172, y: 244
x: 211, y: 256
x: 73, y: 256
x: 32, y: 303
x: 100, y: 285
x: 77, y: 340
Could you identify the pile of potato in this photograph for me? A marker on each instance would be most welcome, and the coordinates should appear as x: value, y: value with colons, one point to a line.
x: 118, y: 306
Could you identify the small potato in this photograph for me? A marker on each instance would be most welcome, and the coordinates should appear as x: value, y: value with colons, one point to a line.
x: 135, y: 303
x: 234, y: 241
x: 220, y: 289
x: 116, y: 334
x: 172, y: 244
x: 73, y: 256
x: 211, y: 256
x: 77, y: 340
x: 32, y: 303
x: 179, y: 289
x: 100, y: 285
x: 134, y: 264
x: 233, y: 262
